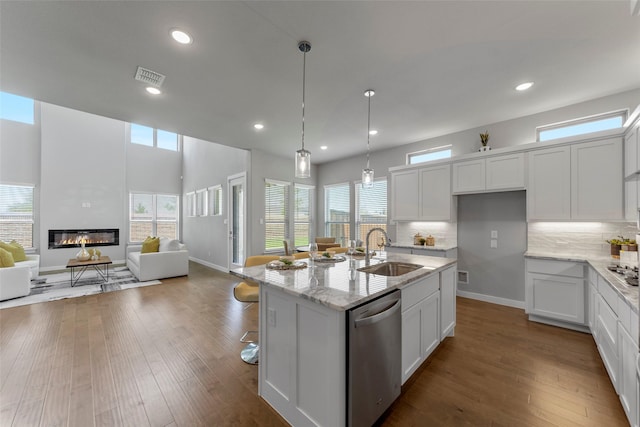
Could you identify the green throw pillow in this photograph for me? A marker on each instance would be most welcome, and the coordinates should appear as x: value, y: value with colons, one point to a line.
x: 150, y: 244
x: 18, y: 253
x: 16, y: 250
x: 6, y: 259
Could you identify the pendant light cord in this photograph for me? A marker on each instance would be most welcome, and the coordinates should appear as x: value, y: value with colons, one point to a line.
x: 304, y: 72
x: 368, y: 129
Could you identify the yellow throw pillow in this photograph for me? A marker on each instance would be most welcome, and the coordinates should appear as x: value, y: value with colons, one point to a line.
x: 150, y: 244
x: 16, y: 250
x: 6, y: 259
x: 18, y: 253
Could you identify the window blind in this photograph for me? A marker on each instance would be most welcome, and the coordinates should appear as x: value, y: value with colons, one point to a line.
x: 302, y: 214
x: 337, y: 212
x: 371, y: 209
x: 16, y: 214
x: 276, y: 214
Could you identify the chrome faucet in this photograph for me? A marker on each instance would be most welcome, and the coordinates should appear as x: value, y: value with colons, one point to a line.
x: 387, y: 240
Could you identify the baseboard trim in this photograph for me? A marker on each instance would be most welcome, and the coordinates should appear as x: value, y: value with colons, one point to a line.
x: 491, y: 299
x: 560, y: 324
x: 209, y: 264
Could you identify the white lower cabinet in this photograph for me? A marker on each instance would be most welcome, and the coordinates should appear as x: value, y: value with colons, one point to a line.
x: 420, y: 323
x: 628, y: 387
x: 447, y: 302
x: 555, y: 291
x: 607, y: 339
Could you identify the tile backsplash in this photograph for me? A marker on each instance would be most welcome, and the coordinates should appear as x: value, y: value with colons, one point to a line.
x: 445, y: 233
x: 588, y: 238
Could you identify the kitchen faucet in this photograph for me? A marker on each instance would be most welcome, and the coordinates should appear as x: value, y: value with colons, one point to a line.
x: 387, y: 240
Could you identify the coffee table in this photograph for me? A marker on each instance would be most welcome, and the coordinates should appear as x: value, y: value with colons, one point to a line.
x: 100, y: 265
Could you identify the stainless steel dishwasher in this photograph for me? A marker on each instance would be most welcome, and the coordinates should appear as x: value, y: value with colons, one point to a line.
x: 374, y: 359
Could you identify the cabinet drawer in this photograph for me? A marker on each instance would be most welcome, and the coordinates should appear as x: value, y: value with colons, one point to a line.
x: 557, y: 268
x: 416, y: 292
x: 609, y: 295
x: 607, y: 325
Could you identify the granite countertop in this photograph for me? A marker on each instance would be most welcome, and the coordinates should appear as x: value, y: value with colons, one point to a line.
x: 629, y: 293
x: 437, y: 247
x: 339, y: 285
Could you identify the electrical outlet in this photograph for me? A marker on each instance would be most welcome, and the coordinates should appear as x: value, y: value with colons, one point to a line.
x: 494, y: 234
x: 494, y: 243
x: 271, y: 317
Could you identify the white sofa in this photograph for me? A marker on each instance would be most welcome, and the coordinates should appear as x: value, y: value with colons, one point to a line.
x: 170, y: 261
x: 15, y: 281
x: 33, y: 262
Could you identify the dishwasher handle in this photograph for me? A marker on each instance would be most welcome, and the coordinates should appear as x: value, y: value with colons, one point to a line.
x: 378, y: 317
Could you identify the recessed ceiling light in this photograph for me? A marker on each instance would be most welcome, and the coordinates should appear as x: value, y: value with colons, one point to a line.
x: 323, y: 147
x: 373, y: 132
x: 258, y: 126
x: 524, y: 86
x: 153, y: 90
x: 181, y: 37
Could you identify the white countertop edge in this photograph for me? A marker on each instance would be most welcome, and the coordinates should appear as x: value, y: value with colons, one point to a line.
x: 629, y: 293
x: 326, y: 296
x: 430, y: 248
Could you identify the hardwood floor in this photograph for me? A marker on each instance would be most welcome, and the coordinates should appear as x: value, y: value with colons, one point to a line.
x: 168, y: 355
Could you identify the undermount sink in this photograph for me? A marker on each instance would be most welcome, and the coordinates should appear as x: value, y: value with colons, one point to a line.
x: 390, y: 268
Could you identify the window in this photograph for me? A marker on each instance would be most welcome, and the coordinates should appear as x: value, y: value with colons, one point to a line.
x: 191, y: 203
x: 16, y: 214
x: 371, y: 210
x: 605, y: 121
x: 276, y: 214
x: 17, y: 108
x: 429, y: 155
x: 337, y: 212
x: 201, y: 203
x: 302, y: 214
x: 153, y: 215
x: 214, y: 198
x: 144, y: 135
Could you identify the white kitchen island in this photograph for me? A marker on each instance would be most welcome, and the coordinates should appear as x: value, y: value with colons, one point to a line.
x: 303, y: 315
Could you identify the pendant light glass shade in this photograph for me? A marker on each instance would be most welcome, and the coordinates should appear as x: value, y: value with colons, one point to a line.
x: 303, y: 163
x: 303, y: 157
x: 367, y: 173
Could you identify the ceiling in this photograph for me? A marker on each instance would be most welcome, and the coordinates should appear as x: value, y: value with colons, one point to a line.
x: 437, y: 66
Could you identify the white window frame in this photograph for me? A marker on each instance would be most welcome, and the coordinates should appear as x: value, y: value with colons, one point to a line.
x: 327, y: 223
x: 202, y: 204
x: 155, y: 138
x: 311, y: 189
x: 287, y: 215
x: 154, y: 213
x: 623, y: 114
x: 429, y: 151
x: 358, y: 219
x: 9, y: 236
x: 214, y: 200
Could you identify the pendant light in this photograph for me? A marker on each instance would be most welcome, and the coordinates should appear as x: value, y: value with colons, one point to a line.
x: 367, y: 173
x: 303, y: 157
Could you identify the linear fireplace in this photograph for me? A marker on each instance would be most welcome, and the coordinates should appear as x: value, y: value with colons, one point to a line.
x: 59, y: 239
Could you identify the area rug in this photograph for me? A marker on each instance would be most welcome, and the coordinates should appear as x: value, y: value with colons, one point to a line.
x: 51, y: 287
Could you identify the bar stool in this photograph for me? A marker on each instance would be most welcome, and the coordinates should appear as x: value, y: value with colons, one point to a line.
x: 249, y: 292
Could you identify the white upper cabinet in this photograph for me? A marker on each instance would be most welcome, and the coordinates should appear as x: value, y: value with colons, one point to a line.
x: 505, y: 172
x: 549, y: 190
x: 422, y: 194
x: 404, y: 195
x: 469, y: 176
x: 495, y: 173
x: 578, y: 182
x: 435, y: 193
x: 631, y: 154
x: 596, y: 180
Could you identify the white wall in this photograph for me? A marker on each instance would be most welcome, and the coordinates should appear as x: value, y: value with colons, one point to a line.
x: 207, y: 164
x: 83, y: 161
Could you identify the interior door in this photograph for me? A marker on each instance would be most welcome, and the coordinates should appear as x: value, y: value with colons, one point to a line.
x: 236, y: 202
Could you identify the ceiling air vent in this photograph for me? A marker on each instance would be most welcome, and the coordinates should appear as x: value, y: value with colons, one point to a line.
x: 150, y: 77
